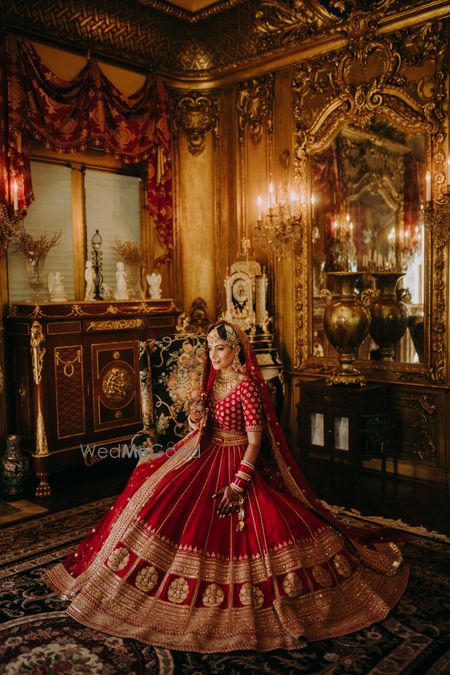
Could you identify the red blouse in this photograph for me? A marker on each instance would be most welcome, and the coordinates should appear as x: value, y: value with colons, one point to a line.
x: 240, y: 410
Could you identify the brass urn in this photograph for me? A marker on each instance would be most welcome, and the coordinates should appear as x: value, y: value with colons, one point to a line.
x: 389, y: 314
x: 346, y: 322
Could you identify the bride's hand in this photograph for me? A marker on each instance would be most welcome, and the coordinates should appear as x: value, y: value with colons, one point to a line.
x: 197, y: 411
x: 229, y: 503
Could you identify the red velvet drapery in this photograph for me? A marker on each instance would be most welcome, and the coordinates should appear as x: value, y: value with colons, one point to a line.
x: 89, y: 111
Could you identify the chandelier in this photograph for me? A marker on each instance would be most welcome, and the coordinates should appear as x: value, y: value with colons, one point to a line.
x: 280, y: 224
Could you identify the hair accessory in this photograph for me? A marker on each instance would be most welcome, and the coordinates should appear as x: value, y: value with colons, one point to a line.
x: 231, y: 339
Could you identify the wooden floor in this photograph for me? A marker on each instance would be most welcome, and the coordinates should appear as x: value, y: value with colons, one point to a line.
x: 414, y: 502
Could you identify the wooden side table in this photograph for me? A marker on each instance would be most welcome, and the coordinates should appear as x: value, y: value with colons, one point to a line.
x: 339, y: 422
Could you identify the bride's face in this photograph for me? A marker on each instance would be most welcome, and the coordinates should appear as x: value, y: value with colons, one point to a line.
x: 222, y: 355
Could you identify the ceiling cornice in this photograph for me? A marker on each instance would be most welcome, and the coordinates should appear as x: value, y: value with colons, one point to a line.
x: 225, y: 47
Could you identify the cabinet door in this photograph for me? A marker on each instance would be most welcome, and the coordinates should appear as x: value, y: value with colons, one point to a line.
x: 69, y: 395
x: 116, y: 398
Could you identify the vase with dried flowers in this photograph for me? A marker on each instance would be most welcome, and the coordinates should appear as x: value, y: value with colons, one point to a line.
x: 35, y: 251
x: 133, y: 257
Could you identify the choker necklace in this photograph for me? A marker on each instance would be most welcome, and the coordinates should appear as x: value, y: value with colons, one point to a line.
x: 224, y: 383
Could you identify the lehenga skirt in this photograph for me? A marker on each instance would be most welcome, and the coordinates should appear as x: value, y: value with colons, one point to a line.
x: 162, y: 567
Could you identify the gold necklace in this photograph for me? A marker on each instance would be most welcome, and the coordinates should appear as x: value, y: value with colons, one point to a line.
x: 224, y: 383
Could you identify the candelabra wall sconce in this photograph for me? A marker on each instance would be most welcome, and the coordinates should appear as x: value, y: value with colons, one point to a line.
x: 97, y: 259
x: 279, y: 220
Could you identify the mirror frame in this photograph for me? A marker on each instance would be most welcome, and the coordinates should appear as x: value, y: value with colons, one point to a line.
x: 402, y: 78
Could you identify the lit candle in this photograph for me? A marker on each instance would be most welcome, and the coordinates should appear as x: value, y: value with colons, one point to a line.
x: 428, y: 187
x: 259, y: 207
x: 293, y: 200
x: 15, y: 197
x: 271, y: 196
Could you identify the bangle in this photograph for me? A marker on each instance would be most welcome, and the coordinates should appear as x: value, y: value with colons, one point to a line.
x: 239, y: 483
x: 248, y: 464
x: 236, y: 488
x: 243, y: 475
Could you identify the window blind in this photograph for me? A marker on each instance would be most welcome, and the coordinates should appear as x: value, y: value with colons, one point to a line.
x: 50, y: 211
x: 112, y: 208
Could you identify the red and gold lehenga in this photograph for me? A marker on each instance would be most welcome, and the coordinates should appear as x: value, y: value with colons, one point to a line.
x: 163, y: 568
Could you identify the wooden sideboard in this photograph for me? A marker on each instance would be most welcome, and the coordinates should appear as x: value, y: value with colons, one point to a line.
x: 73, y: 374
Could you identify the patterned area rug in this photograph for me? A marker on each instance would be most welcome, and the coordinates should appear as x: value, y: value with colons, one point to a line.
x: 36, y: 636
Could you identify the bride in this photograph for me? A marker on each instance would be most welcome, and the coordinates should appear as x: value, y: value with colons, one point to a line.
x: 222, y: 545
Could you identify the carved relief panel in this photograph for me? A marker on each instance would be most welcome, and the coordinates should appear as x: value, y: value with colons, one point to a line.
x: 195, y: 114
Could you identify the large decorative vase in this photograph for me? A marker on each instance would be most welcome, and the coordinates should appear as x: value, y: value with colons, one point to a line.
x: 346, y: 322
x: 389, y: 314
x: 35, y: 273
x: 14, y: 466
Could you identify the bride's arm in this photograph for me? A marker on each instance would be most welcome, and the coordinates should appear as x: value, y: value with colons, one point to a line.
x: 253, y: 447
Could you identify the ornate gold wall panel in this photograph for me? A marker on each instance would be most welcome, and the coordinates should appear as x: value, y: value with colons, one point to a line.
x: 195, y: 114
x: 400, y: 78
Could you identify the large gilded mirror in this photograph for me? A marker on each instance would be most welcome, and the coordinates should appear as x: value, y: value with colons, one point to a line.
x: 371, y: 155
x: 368, y: 203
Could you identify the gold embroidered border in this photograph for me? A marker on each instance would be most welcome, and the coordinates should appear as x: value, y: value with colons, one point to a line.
x: 112, y: 606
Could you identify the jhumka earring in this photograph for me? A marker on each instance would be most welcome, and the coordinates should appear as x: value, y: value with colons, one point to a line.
x: 236, y: 362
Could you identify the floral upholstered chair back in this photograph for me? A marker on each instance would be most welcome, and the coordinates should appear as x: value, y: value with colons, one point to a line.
x: 171, y: 380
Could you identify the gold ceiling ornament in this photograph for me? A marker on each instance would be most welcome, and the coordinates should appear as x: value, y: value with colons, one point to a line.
x: 255, y: 107
x: 400, y: 78
x: 196, y: 114
x: 284, y: 23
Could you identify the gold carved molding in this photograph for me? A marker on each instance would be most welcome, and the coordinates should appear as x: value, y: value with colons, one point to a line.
x: 196, y: 114
x: 118, y: 324
x: 402, y: 79
x: 437, y: 221
x: 37, y: 339
x: 41, y: 436
x: 255, y: 107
